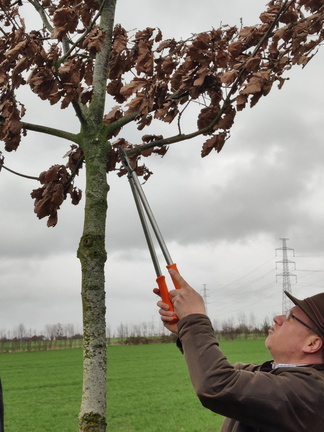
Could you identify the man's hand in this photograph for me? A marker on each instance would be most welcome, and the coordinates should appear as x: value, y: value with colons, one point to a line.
x: 186, y: 301
x: 167, y: 316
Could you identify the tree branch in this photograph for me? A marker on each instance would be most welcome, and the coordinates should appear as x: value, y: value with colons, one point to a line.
x: 228, y: 101
x: 18, y: 174
x: 118, y: 124
x: 83, y: 36
x: 283, y: 9
x: 42, y: 14
x: 180, y: 137
x: 80, y: 111
x: 51, y: 131
x: 78, y: 108
x: 97, y: 104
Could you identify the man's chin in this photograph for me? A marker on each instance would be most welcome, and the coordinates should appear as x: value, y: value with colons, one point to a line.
x: 268, y: 340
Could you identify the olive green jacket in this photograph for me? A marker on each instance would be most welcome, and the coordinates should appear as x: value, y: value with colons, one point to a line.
x: 253, y: 398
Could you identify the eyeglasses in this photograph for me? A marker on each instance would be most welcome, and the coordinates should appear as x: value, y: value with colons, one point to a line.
x: 289, y: 315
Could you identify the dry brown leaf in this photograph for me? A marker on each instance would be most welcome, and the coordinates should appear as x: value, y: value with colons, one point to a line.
x: 226, y: 122
x: 65, y: 21
x: 253, y: 86
x: 216, y: 142
x: 229, y: 77
x: 253, y: 64
x: 131, y: 88
x: 241, y: 101
x: 145, y: 57
x: 113, y: 115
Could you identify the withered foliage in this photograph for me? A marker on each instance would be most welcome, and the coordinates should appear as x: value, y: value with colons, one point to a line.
x: 222, y: 71
x: 56, y: 186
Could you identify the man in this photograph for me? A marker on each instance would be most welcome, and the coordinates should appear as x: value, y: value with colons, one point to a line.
x: 284, y: 395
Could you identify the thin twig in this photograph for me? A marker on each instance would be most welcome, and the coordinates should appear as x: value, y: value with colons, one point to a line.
x: 74, y: 173
x: 180, y: 115
x: 42, y: 14
x: 19, y: 174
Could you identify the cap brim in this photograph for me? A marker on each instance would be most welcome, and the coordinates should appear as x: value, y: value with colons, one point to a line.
x: 293, y: 299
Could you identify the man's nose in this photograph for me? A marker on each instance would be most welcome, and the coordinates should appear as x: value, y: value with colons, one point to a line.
x: 279, y: 319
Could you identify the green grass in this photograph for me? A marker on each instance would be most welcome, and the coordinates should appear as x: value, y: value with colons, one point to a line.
x: 42, y: 390
x: 148, y: 389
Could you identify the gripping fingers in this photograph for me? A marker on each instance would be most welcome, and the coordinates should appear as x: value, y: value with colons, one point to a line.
x: 167, y: 316
x: 163, y: 305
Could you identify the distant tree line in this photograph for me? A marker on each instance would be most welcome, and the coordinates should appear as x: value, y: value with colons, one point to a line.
x: 148, y: 332
x: 54, y: 336
x: 231, y: 330
x: 52, y: 332
x: 63, y: 336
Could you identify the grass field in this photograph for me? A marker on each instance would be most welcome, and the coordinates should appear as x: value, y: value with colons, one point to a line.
x: 148, y: 389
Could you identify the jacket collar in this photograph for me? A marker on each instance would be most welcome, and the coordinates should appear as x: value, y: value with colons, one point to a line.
x: 268, y: 366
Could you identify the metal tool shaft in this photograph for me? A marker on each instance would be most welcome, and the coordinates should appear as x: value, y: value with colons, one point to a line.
x: 144, y: 210
x: 138, y: 191
x: 145, y: 227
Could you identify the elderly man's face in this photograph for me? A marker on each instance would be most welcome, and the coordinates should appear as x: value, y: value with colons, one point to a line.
x: 287, y: 337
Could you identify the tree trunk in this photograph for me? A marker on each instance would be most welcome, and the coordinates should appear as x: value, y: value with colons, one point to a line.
x: 92, y: 254
x: 92, y: 250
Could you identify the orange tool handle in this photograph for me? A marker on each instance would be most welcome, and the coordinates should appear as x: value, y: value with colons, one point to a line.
x: 174, y: 267
x: 164, y: 294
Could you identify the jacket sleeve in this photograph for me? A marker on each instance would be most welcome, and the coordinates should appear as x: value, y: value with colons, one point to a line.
x: 271, y: 401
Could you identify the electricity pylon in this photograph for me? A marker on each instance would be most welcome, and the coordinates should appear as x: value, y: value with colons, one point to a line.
x: 205, y: 296
x: 286, y: 285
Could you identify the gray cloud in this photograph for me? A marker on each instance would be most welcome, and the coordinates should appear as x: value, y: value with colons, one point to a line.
x: 222, y: 216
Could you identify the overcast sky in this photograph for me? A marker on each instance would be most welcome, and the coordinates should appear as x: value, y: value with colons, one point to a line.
x: 222, y: 216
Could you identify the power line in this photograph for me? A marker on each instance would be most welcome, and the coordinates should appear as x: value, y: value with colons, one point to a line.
x: 234, y: 286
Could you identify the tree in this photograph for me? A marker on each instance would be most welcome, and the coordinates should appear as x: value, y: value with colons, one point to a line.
x: 21, y: 332
x: 109, y: 77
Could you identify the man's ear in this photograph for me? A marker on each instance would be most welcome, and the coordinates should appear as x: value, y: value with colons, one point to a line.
x: 313, y: 344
